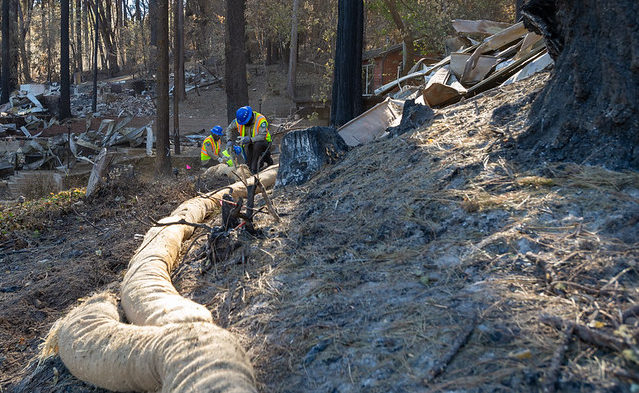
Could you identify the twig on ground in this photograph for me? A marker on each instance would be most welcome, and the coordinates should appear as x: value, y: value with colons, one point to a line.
x: 226, y: 307
x: 586, y: 334
x: 631, y: 312
x: 267, y: 200
x: 626, y: 374
x: 461, y: 340
x: 83, y: 217
x: 550, y: 385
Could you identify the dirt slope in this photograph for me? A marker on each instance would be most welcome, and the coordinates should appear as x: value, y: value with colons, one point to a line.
x: 415, y: 249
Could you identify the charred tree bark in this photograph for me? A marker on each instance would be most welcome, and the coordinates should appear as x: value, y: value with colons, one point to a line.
x: 163, y: 164
x: 65, y: 86
x: 589, y: 111
x: 235, y: 67
x: 347, y: 80
x: 96, y: 42
x: 6, y: 53
x: 78, y: 38
x: 178, y: 71
x: 25, y: 12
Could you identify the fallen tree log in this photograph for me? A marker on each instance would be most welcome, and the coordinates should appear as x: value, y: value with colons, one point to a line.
x: 172, y: 344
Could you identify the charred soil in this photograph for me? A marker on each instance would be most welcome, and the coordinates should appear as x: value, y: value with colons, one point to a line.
x: 427, y: 262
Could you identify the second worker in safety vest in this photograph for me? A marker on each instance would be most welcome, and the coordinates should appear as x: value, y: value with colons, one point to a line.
x: 211, y: 152
x: 249, y: 129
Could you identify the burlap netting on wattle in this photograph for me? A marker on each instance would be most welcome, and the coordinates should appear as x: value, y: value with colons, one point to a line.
x: 186, y: 357
x: 172, y: 344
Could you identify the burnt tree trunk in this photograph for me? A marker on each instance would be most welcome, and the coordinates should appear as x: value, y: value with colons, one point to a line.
x: 235, y: 67
x: 347, y: 79
x: 78, y: 39
x: 589, y: 111
x: 163, y: 148
x: 65, y: 86
x: 6, y: 54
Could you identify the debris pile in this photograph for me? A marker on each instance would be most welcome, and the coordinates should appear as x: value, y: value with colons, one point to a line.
x: 510, y: 54
x: 507, y: 56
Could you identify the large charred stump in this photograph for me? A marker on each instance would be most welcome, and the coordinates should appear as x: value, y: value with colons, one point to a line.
x: 589, y: 111
x: 304, y: 152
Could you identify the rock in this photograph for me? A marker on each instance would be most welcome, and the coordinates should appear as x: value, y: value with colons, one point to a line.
x: 413, y: 116
x: 305, y: 152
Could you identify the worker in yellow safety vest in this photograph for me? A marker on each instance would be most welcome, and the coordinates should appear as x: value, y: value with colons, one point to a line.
x: 211, y: 149
x: 249, y: 129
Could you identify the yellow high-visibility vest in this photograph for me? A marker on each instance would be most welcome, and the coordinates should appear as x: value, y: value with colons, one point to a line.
x: 204, y: 156
x: 259, y: 120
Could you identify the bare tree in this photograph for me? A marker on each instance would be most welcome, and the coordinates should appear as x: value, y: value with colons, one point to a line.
x: 589, y: 111
x: 178, y: 71
x: 96, y: 31
x: 6, y: 59
x: 65, y: 87
x: 407, y: 36
x: 78, y: 38
x: 292, y: 60
x: 235, y: 68
x: 163, y: 151
x: 347, y: 80
x: 25, y: 13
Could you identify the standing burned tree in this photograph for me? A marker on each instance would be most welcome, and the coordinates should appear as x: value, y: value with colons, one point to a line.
x: 65, y: 85
x: 589, y: 111
x: 235, y: 51
x: 163, y: 163
x: 347, y: 80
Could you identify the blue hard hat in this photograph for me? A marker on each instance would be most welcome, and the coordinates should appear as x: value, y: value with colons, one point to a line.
x: 217, y: 130
x: 243, y: 115
x: 237, y: 149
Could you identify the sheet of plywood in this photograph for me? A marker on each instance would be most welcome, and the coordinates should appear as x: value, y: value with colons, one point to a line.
x: 491, y: 43
x: 479, y: 72
x: 500, y: 76
x: 438, y: 93
x: 372, y: 123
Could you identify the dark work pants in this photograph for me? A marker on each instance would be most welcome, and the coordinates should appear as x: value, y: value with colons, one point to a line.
x: 256, y: 154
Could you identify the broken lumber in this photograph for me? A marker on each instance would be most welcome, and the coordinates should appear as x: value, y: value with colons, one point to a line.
x: 425, y: 72
x: 102, y: 163
x: 484, y: 65
x: 494, y: 42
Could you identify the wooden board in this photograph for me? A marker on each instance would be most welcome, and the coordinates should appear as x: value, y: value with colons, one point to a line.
x: 438, y: 93
x: 491, y: 43
x: 479, y: 72
x: 372, y: 123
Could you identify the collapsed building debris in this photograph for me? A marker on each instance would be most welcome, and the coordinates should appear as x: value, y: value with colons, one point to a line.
x: 510, y: 54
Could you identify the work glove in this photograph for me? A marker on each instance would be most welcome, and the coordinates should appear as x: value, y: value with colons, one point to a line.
x: 237, y: 149
x: 243, y: 140
x: 220, y: 160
